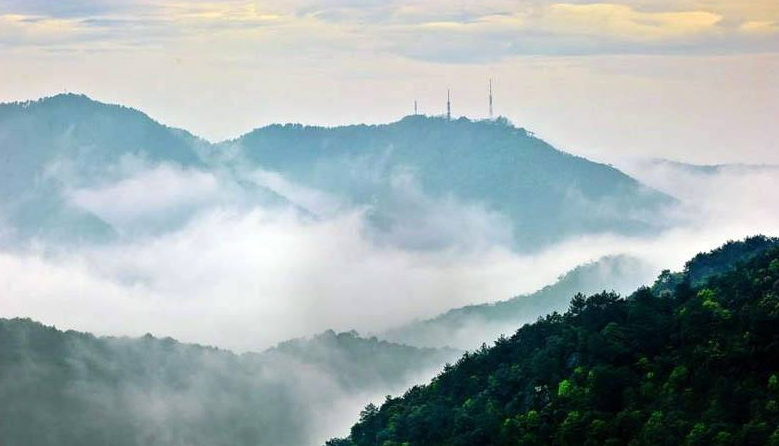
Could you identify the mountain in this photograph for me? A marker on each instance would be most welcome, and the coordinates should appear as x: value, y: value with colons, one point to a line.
x: 468, y: 327
x: 70, y: 140
x: 697, y: 364
x: 724, y: 184
x: 359, y: 362
x: 53, y: 148
x: 69, y: 388
x: 70, y: 125
x: 402, y: 169
x: 424, y: 182
x: 708, y: 169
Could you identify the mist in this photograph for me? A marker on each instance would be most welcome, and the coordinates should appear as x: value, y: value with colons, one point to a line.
x: 240, y: 273
x: 248, y: 277
x: 160, y: 392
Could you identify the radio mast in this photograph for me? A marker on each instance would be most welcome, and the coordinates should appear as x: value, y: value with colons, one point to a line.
x: 490, y: 98
x: 448, y: 106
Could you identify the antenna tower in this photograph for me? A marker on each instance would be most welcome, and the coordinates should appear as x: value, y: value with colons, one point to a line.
x: 490, y: 98
x: 448, y: 107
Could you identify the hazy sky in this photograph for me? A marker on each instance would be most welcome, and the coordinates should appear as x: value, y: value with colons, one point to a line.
x: 693, y: 80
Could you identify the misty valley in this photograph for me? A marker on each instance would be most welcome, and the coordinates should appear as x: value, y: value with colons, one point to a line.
x: 435, y: 280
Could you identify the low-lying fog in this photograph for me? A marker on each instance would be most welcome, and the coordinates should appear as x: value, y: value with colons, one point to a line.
x: 221, y: 269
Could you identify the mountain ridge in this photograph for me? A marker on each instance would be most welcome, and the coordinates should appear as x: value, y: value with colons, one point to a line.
x: 493, y: 163
x: 496, y: 180
x: 469, y: 326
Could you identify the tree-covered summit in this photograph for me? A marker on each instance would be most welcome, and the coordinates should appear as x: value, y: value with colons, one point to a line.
x: 541, y: 193
x: 697, y: 364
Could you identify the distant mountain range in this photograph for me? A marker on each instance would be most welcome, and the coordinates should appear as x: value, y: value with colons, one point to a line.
x: 468, y: 327
x: 423, y: 180
x: 711, y: 168
x: 69, y: 388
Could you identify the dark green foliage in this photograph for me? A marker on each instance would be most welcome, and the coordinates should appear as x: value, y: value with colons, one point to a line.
x: 725, y: 258
x: 73, y: 389
x: 697, y: 364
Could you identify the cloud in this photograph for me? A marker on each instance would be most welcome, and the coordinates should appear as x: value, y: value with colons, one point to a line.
x: 625, y: 23
x: 319, y: 202
x: 247, y: 276
x: 220, y: 15
x: 18, y: 29
x: 472, y: 31
x: 65, y: 8
x: 248, y: 280
x: 760, y: 27
x: 734, y: 196
x: 577, y: 29
x: 244, y: 275
x: 158, y: 195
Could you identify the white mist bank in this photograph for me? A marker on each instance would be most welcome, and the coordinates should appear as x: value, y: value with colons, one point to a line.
x: 242, y: 275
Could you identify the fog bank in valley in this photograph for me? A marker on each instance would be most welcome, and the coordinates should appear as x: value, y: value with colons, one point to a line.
x: 230, y: 270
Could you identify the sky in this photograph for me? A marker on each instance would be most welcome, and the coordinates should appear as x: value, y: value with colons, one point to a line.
x: 690, y: 80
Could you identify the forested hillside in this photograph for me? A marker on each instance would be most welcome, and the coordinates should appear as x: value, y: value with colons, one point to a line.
x: 68, y: 388
x: 695, y: 363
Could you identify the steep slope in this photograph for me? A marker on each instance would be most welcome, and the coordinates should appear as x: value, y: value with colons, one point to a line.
x: 468, y: 327
x: 696, y: 365
x: 68, y: 388
x: 87, y: 134
x: 35, y: 133
x: 403, y: 169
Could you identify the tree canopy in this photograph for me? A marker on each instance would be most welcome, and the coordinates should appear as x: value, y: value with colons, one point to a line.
x: 692, y: 362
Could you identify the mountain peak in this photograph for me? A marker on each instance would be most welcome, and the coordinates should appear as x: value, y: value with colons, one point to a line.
x: 57, y: 100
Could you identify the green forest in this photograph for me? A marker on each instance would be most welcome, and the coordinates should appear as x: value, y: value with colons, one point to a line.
x: 692, y: 360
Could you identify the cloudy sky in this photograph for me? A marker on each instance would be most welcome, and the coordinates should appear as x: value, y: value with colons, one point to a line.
x: 692, y: 80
